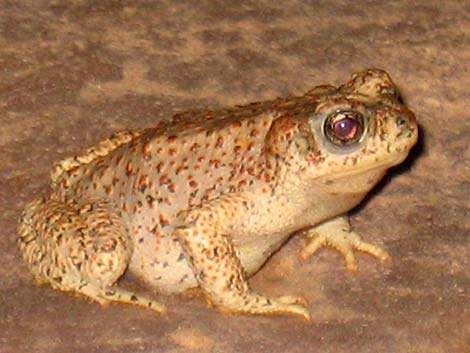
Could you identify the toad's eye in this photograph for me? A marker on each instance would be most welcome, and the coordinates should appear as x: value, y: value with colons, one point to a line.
x: 344, y: 127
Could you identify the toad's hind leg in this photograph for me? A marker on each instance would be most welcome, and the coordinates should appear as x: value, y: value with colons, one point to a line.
x: 82, y: 247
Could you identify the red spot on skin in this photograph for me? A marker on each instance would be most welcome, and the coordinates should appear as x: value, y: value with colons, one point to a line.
x: 108, y: 189
x: 171, y: 139
x: 164, y: 179
x: 254, y: 133
x: 172, y: 187
x: 124, y: 207
x: 95, y: 186
x: 251, y: 170
x: 176, y: 118
x: 179, y: 169
x: 236, y: 124
x: 237, y: 149
x: 220, y: 142
x: 159, y: 167
x: 242, y: 183
x: 147, y: 156
x: 129, y: 169
x: 150, y: 201
x: 194, y: 147
x: 172, y: 151
x: 214, y: 163
x: 146, y: 147
x: 142, y: 184
x: 193, y: 184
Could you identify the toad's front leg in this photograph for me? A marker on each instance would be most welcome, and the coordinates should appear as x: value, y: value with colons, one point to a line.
x: 216, y: 265
x: 338, y: 234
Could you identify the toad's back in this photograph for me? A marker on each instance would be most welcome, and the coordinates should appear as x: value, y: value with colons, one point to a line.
x: 181, y: 163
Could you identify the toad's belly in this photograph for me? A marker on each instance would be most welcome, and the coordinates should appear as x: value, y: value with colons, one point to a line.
x: 161, y: 263
x: 254, y: 253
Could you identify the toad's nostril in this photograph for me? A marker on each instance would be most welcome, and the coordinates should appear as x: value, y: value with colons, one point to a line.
x: 401, y: 121
x: 407, y: 116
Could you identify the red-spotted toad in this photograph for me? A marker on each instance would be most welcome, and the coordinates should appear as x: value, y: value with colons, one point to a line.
x: 205, y: 199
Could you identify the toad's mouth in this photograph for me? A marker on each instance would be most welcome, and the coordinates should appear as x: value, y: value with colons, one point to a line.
x: 374, y: 167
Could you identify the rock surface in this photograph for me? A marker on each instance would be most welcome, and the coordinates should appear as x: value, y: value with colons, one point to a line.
x: 73, y: 72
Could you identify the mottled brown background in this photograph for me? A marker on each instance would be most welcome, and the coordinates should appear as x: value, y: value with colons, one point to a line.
x: 74, y: 71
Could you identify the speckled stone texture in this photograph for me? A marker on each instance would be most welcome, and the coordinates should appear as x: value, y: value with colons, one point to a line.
x: 74, y: 71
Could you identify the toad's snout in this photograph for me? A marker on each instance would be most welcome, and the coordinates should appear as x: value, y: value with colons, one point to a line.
x: 407, y: 124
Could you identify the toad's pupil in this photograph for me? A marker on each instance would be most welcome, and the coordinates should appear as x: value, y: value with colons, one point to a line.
x: 346, y: 128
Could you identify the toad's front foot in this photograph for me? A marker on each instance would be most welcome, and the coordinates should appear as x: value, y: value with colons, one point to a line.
x: 337, y: 233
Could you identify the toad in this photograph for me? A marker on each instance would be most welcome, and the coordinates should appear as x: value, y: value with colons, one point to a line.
x: 203, y: 200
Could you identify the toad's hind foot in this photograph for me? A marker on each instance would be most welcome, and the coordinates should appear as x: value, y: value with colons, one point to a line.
x: 337, y: 233
x: 256, y: 304
x: 121, y: 295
